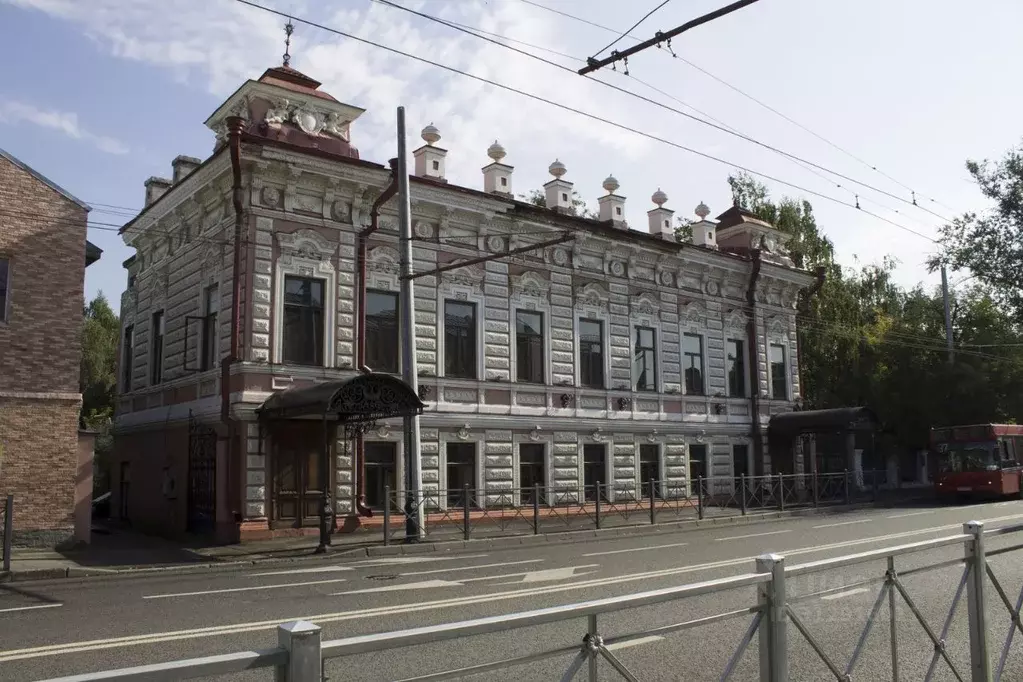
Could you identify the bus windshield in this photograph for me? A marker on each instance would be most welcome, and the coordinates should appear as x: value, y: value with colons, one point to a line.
x: 961, y: 457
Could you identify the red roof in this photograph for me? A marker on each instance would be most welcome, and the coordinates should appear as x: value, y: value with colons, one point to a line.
x: 296, y: 81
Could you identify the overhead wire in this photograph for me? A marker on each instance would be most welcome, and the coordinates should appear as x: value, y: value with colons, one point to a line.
x: 631, y: 28
x: 754, y: 100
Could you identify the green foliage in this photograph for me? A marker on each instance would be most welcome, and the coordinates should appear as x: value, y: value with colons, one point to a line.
x: 98, y: 377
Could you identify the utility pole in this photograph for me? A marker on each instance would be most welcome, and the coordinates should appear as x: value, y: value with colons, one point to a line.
x: 592, y: 64
x: 414, y: 521
x: 948, y: 315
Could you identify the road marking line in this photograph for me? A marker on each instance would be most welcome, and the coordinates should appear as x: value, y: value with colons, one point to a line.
x: 538, y: 576
x: 321, y: 569
x: 422, y: 585
x: 376, y: 612
x: 843, y: 523
x: 634, y: 642
x: 902, y: 516
x: 470, y: 568
x: 30, y: 608
x: 752, y: 535
x: 847, y: 593
x: 398, y: 560
x: 243, y: 589
x: 637, y: 549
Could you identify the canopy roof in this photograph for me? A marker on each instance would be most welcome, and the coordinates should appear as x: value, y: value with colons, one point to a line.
x: 364, y: 398
x: 790, y: 424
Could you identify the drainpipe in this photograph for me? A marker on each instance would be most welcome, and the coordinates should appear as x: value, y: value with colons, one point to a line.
x: 751, y: 339
x: 235, y: 125
x: 360, y: 332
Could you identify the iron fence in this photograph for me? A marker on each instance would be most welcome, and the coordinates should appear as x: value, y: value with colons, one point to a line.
x: 300, y: 655
x: 489, y: 511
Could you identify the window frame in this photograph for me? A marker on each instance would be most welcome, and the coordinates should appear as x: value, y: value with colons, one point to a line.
x: 127, y: 357
x: 475, y: 341
x: 157, y: 334
x: 544, y: 364
x: 323, y: 312
x: 5, y: 288
x: 210, y: 328
x: 785, y: 372
x: 305, y: 253
x: 604, y: 360
x: 684, y: 355
x: 397, y: 329
x: 654, y: 351
x: 662, y: 482
x: 743, y: 360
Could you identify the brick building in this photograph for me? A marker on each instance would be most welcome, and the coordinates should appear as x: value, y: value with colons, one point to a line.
x: 617, y: 358
x: 43, y: 256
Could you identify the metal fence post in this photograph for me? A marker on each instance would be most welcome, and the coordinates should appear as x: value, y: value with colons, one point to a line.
x: 699, y: 497
x: 387, y: 515
x: 8, y: 531
x: 465, y: 512
x: 596, y: 509
x: 816, y: 491
x: 848, y: 499
x: 653, y: 502
x: 980, y: 661
x: 781, y: 491
x: 774, y: 646
x: 742, y: 478
x: 302, y: 641
x: 893, y: 626
x: 536, y: 509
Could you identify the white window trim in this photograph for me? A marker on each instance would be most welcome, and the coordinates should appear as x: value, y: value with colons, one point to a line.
x: 547, y: 441
x: 399, y: 468
x: 707, y: 464
x: 306, y: 254
x: 474, y: 439
x: 465, y: 287
x: 661, y: 468
x: 749, y: 456
x: 609, y: 469
x: 204, y: 286
x: 733, y: 335
x: 693, y: 320
x: 591, y: 303
x: 529, y: 294
x: 652, y: 320
x: 787, y: 356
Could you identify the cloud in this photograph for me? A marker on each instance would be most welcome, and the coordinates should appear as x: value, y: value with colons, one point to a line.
x: 14, y: 112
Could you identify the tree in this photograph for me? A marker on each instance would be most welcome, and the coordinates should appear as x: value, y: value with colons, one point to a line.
x: 990, y: 244
x: 579, y: 207
x: 98, y: 377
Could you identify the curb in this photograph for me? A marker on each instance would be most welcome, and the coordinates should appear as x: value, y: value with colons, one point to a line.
x: 497, y: 543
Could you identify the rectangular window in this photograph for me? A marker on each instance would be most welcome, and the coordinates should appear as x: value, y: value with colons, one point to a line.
x: 697, y: 461
x: 591, y: 353
x: 692, y: 363
x: 302, y: 334
x: 779, y: 382
x: 461, y: 474
x: 531, y: 471
x: 460, y: 339
x: 594, y: 471
x: 644, y: 359
x: 382, y: 351
x: 5, y: 289
x: 529, y: 346
x: 210, y: 342
x: 127, y: 357
x: 735, y: 366
x: 649, y: 467
x: 381, y: 475
x: 156, y: 330
x: 740, y: 460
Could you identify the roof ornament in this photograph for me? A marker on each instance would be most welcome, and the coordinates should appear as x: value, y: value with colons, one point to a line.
x: 289, y: 28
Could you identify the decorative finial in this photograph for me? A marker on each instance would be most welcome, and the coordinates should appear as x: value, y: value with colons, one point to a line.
x: 659, y: 197
x: 430, y: 134
x: 611, y: 184
x: 702, y: 210
x: 496, y: 152
x: 289, y: 28
x: 557, y: 169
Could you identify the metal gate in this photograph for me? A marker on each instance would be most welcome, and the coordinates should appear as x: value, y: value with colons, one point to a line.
x: 202, y: 476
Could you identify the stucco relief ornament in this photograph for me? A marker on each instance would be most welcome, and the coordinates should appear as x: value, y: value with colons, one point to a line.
x: 384, y: 431
x: 534, y: 435
x: 560, y: 257
x: 597, y: 436
x: 269, y: 196
x: 309, y: 122
x: 336, y: 126
x: 652, y: 437
x: 463, y: 432
x: 617, y: 268
x: 341, y: 210
x: 278, y: 113
x: 495, y: 243
x: 666, y: 278
x: 423, y: 229
x: 711, y: 287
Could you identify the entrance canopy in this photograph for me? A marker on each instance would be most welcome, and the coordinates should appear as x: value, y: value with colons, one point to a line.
x: 791, y: 424
x: 364, y: 398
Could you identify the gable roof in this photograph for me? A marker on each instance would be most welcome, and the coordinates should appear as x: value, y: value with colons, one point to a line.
x: 45, y: 180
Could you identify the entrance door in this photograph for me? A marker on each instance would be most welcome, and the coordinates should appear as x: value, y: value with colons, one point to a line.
x: 297, y: 481
x: 531, y: 471
x: 461, y: 473
x: 740, y: 464
x: 202, y: 477
x: 594, y: 469
x: 381, y: 472
x: 649, y: 467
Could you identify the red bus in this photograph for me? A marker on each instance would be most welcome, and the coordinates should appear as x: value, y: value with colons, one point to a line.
x: 979, y: 460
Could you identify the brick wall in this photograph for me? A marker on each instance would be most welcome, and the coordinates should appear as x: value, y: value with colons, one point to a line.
x: 43, y: 234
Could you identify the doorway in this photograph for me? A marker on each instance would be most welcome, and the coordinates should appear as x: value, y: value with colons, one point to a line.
x: 531, y: 471
x: 649, y: 469
x: 381, y: 474
x: 594, y: 470
x: 461, y: 470
x: 298, y: 491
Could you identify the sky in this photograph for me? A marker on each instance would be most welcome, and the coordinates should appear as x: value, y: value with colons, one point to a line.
x: 104, y: 94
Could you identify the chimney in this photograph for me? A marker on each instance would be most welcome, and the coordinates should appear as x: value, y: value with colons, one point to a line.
x: 558, y: 192
x: 704, y: 231
x: 497, y: 176
x: 156, y: 188
x: 612, y: 206
x: 660, y: 217
x: 430, y: 159
x: 183, y: 165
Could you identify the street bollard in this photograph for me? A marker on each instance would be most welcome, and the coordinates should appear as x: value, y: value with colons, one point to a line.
x: 301, y: 639
x: 8, y: 532
x: 536, y: 509
x: 742, y: 480
x: 387, y: 515
x: 845, y: 479
x: 980, y: 661
x: 781, y: 491
x: 465, y: 512
x: 699, y: 497
x: 653, y: 503
x: 774, y: 663
x: 596, y: 508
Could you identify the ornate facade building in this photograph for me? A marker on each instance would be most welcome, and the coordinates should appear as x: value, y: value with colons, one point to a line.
x: 619, y: 356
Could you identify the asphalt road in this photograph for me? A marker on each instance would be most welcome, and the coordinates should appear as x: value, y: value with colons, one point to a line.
x: 72, y: 626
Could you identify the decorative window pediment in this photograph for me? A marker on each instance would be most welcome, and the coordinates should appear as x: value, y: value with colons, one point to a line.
x: 305, y: 244
x: 693, y: 314
x: 592, y: 295
x: 470, y: 276
x: 647, y: 304
x: 776, y: 328
x: 530, y: 284
x: 735, y: 321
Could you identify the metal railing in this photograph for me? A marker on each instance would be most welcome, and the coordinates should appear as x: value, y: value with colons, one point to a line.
x: 470, y: 512
x: 300, y: 655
